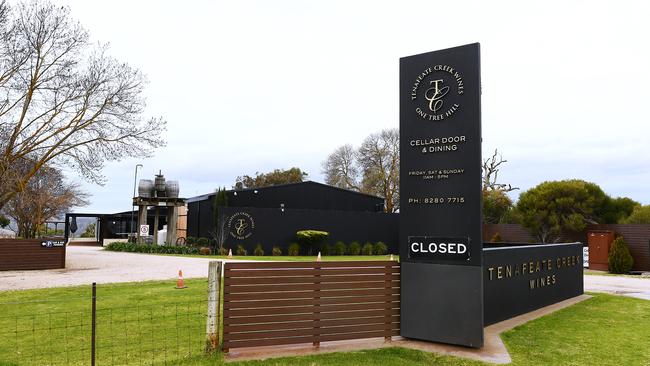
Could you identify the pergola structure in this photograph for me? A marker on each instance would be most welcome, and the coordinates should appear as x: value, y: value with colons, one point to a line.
x: 172, y: 205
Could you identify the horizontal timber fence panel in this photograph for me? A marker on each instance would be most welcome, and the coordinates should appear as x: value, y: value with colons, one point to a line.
x: 25, y: 254
x: 282, y: 303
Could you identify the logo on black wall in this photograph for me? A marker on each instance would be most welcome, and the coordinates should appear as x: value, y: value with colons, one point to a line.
x: 436, y: 92
x: 241, y: 225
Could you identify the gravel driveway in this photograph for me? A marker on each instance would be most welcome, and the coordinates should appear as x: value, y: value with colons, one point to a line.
x: 92, y: 264
x: 634, y: 287
x: 85, y: 265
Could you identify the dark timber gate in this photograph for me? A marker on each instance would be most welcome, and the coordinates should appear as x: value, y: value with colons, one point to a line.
x: 280, y: 303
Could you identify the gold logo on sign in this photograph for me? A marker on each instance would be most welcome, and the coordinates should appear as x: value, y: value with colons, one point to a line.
x: 241, y: 225
x: 445, y: 86
x: 435, y: 94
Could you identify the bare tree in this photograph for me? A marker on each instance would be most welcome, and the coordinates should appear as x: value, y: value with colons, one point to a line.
x: 491, y: 174
x: 64, y: 101
x: 220, y: 234
x: 378, y: 158
x: 46, y: 196
x: 340, y: 168
x: 372, y: 169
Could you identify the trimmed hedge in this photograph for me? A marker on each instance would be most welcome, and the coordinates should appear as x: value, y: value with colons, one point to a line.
x: 147, y: 248
x: 339, y: 248
x: 354, y: 248
x: 380, y: 248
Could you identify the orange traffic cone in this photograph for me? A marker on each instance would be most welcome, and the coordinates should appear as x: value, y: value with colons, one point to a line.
x: 229, y: 253
x: 318, y: 258
x: 391, y: 257
x: 180, y: 284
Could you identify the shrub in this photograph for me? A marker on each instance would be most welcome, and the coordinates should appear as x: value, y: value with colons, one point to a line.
x: 223, y: 251
x: 205, y: 251
x: 202, y: 242
x: 241, y: 250
x: 354, y: 248
x: 367, y: 249
x: 380, y: 248
x: 146, y: 248
x: 276, y: 251
x: 339, y: 248
x: 496, y: 238
x: 190, y: 240
x: 325, y: 249
x: 620, y: 260
x: 294, y: 249
x: 259, y: 251
x: 309, y: 239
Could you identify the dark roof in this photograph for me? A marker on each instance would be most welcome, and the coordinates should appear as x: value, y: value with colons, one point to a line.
x: 208, y: 195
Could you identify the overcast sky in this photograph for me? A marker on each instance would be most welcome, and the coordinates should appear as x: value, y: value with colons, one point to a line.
x: 251, y: 86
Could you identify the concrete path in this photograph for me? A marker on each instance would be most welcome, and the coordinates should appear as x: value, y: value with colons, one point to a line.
x: 617, y: 285
x: 85, y: 265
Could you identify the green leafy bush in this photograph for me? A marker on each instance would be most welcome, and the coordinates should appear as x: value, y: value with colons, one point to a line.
x: 380, y: 248
x: 259, y: 251
x: 241, y: 250
x: 325, y: 249
x: 339, y: 248
x: 277, y: 251
x: 223, y: 251
x: 354, y: 248
x: 190, y: 240
x: 310, y: 239
x: 203, y: 242
x: 620, y: 260
x: 367, y: 249
x: 146, y: 248
x: 205, y: 251
x: 294, y: 249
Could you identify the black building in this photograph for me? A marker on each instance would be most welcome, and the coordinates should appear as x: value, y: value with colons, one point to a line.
x: 272, y: 215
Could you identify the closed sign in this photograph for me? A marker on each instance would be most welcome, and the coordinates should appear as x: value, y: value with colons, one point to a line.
x: 429, y: 248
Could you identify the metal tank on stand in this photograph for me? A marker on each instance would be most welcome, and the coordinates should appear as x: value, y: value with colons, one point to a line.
x: 159, y: 193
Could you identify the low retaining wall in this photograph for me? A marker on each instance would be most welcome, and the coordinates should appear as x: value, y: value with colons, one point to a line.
x: 520, y: 279
x: 23, y: 254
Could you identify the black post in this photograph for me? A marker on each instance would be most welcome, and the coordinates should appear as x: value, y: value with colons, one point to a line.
x: 94, y: 325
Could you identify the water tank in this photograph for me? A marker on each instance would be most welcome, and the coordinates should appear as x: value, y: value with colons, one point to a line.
x: 171, y: 188
x: 145, y: 188
x: 160, y: 185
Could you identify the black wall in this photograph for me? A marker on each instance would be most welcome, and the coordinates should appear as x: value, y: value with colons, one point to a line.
x: 305, y: 195
x: 511, y: 295
x: 275, y: 227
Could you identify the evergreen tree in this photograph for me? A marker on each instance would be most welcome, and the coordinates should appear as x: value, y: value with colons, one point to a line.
x: 620, y: 260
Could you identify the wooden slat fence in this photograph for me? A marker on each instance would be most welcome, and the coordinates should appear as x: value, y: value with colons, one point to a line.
x: 281, y: 303
x: 23, y: 254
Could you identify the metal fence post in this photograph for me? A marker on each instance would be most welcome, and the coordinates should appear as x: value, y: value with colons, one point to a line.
x: 214, y: 288
x: 94, y: 325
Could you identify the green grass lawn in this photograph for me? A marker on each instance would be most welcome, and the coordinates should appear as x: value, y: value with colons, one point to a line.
x: 151, y: 322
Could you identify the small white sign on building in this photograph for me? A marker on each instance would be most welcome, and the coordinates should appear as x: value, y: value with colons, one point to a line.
x: 144, y: 230
x: 585, y: 257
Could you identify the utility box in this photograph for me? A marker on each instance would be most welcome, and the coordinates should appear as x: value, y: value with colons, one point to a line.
x: 599, y: 243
